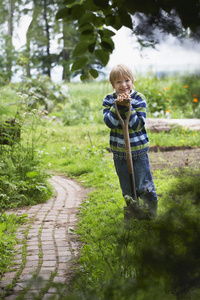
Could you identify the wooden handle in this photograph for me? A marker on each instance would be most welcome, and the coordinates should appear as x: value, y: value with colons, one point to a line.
x: 128, y: 149
x: 119, y: 116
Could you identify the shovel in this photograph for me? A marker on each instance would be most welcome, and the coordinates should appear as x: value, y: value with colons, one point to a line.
x: 132, y: 210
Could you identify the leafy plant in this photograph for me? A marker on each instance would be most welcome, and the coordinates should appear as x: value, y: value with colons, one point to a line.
x: 170, y: 96
x: 41, y: 93
x: 22, y: 179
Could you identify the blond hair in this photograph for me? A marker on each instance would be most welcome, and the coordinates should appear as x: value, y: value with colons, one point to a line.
x: 120, y: 71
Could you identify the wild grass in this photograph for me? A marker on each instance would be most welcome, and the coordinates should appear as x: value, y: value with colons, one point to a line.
x: 8, y: 227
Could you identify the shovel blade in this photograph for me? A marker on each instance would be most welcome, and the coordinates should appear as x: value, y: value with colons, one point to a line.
x: 135, y: 212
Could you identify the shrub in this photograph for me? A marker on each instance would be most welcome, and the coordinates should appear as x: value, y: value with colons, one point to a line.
x: 41, y: 93
x: 22, y: 178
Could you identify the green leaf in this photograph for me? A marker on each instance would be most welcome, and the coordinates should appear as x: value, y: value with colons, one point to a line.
x: 83, y: 77
x: 79, y: 63
x: 90, y: 38
x: 86, y: 18
x: 87, y: 28
x: 63, y: 13
x: 98, y: 21
x: 71, y: 230
x: 81, y: 48
x: 91, y: 47
x: 128, y: 6
x: 114, y: 21
x: 101, y: 3
x: 125, y: 18
x: 107, y: 44
x: 106, y: 32
x: 32, y: 174
x: 94, y: 73
x: 77, y: 11
x: 102, y: 56
x: 69, y: 2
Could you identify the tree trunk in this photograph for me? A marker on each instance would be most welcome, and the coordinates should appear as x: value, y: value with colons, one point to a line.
x: 28, y: 39
x: 9, y: 45
x: 69, y: 40
x: 47, y: 31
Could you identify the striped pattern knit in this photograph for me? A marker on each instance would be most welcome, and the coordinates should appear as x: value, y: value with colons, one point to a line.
x: 138, y: 136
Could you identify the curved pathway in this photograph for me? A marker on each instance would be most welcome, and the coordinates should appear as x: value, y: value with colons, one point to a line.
x: 48, y: 246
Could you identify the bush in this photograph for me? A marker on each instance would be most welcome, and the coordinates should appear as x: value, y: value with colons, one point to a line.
x: 22, y: 178
x: 41, y: 93
x: 171, y: 96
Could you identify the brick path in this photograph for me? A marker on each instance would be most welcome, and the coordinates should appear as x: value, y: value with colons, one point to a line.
x: 47, y: 245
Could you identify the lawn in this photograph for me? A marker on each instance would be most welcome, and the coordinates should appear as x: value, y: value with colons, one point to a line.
x: 147, y: 260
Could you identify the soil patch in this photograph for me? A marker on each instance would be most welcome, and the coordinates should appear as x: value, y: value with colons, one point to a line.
x: 175, y: 159
x: 171, y: 148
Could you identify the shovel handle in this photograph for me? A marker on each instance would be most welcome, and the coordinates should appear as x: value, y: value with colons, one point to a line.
x: 128, y: 149
x: 124, y: 123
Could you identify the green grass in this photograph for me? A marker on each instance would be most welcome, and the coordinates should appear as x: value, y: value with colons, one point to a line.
x: 8, y: 227
x: 178, y: 136
x: 110, y: 265
x: 113, y: 255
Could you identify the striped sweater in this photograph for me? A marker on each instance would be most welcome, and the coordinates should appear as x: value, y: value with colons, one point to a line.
x: 138, y: 136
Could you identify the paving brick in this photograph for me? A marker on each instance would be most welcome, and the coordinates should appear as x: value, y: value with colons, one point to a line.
x: 12, y: 297
x: 27, y: 271
x: 46, y: 238
x: 47, y: 257
x: 59, y: 279
x: 47, y: 232
x: 64, y: 252
x: 9, y: 275
x: 25, y: 277
x: 49, y: 296
x: 49, y: 252
x: 49, y: 263
x: 63, y: 259
x: 32, y: 248
x: 47, y: 270
x: 45, y: 276
x: 63, y: 266
x: 32, y: 258
x: 5, y: 282
x: 32, y: 264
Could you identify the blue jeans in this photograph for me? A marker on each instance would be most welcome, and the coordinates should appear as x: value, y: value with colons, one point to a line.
x: 145, y: 187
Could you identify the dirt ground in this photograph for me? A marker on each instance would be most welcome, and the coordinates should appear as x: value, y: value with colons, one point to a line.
x: 175, y: 158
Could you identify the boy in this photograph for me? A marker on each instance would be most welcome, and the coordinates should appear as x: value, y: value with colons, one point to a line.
x: 122, y: 81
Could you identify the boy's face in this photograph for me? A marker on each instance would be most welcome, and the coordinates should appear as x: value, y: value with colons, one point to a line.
x: 123, y: 85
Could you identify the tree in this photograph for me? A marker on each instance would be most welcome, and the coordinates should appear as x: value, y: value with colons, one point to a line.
x: 9, y: 14
x: 40, y: 33
x: 69, y: 39
x: 96, y: 18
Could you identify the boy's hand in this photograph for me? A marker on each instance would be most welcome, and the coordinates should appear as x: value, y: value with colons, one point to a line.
x: 123, y: 99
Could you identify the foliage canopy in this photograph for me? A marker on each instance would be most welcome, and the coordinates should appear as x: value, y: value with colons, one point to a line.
x: 96, y: 20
